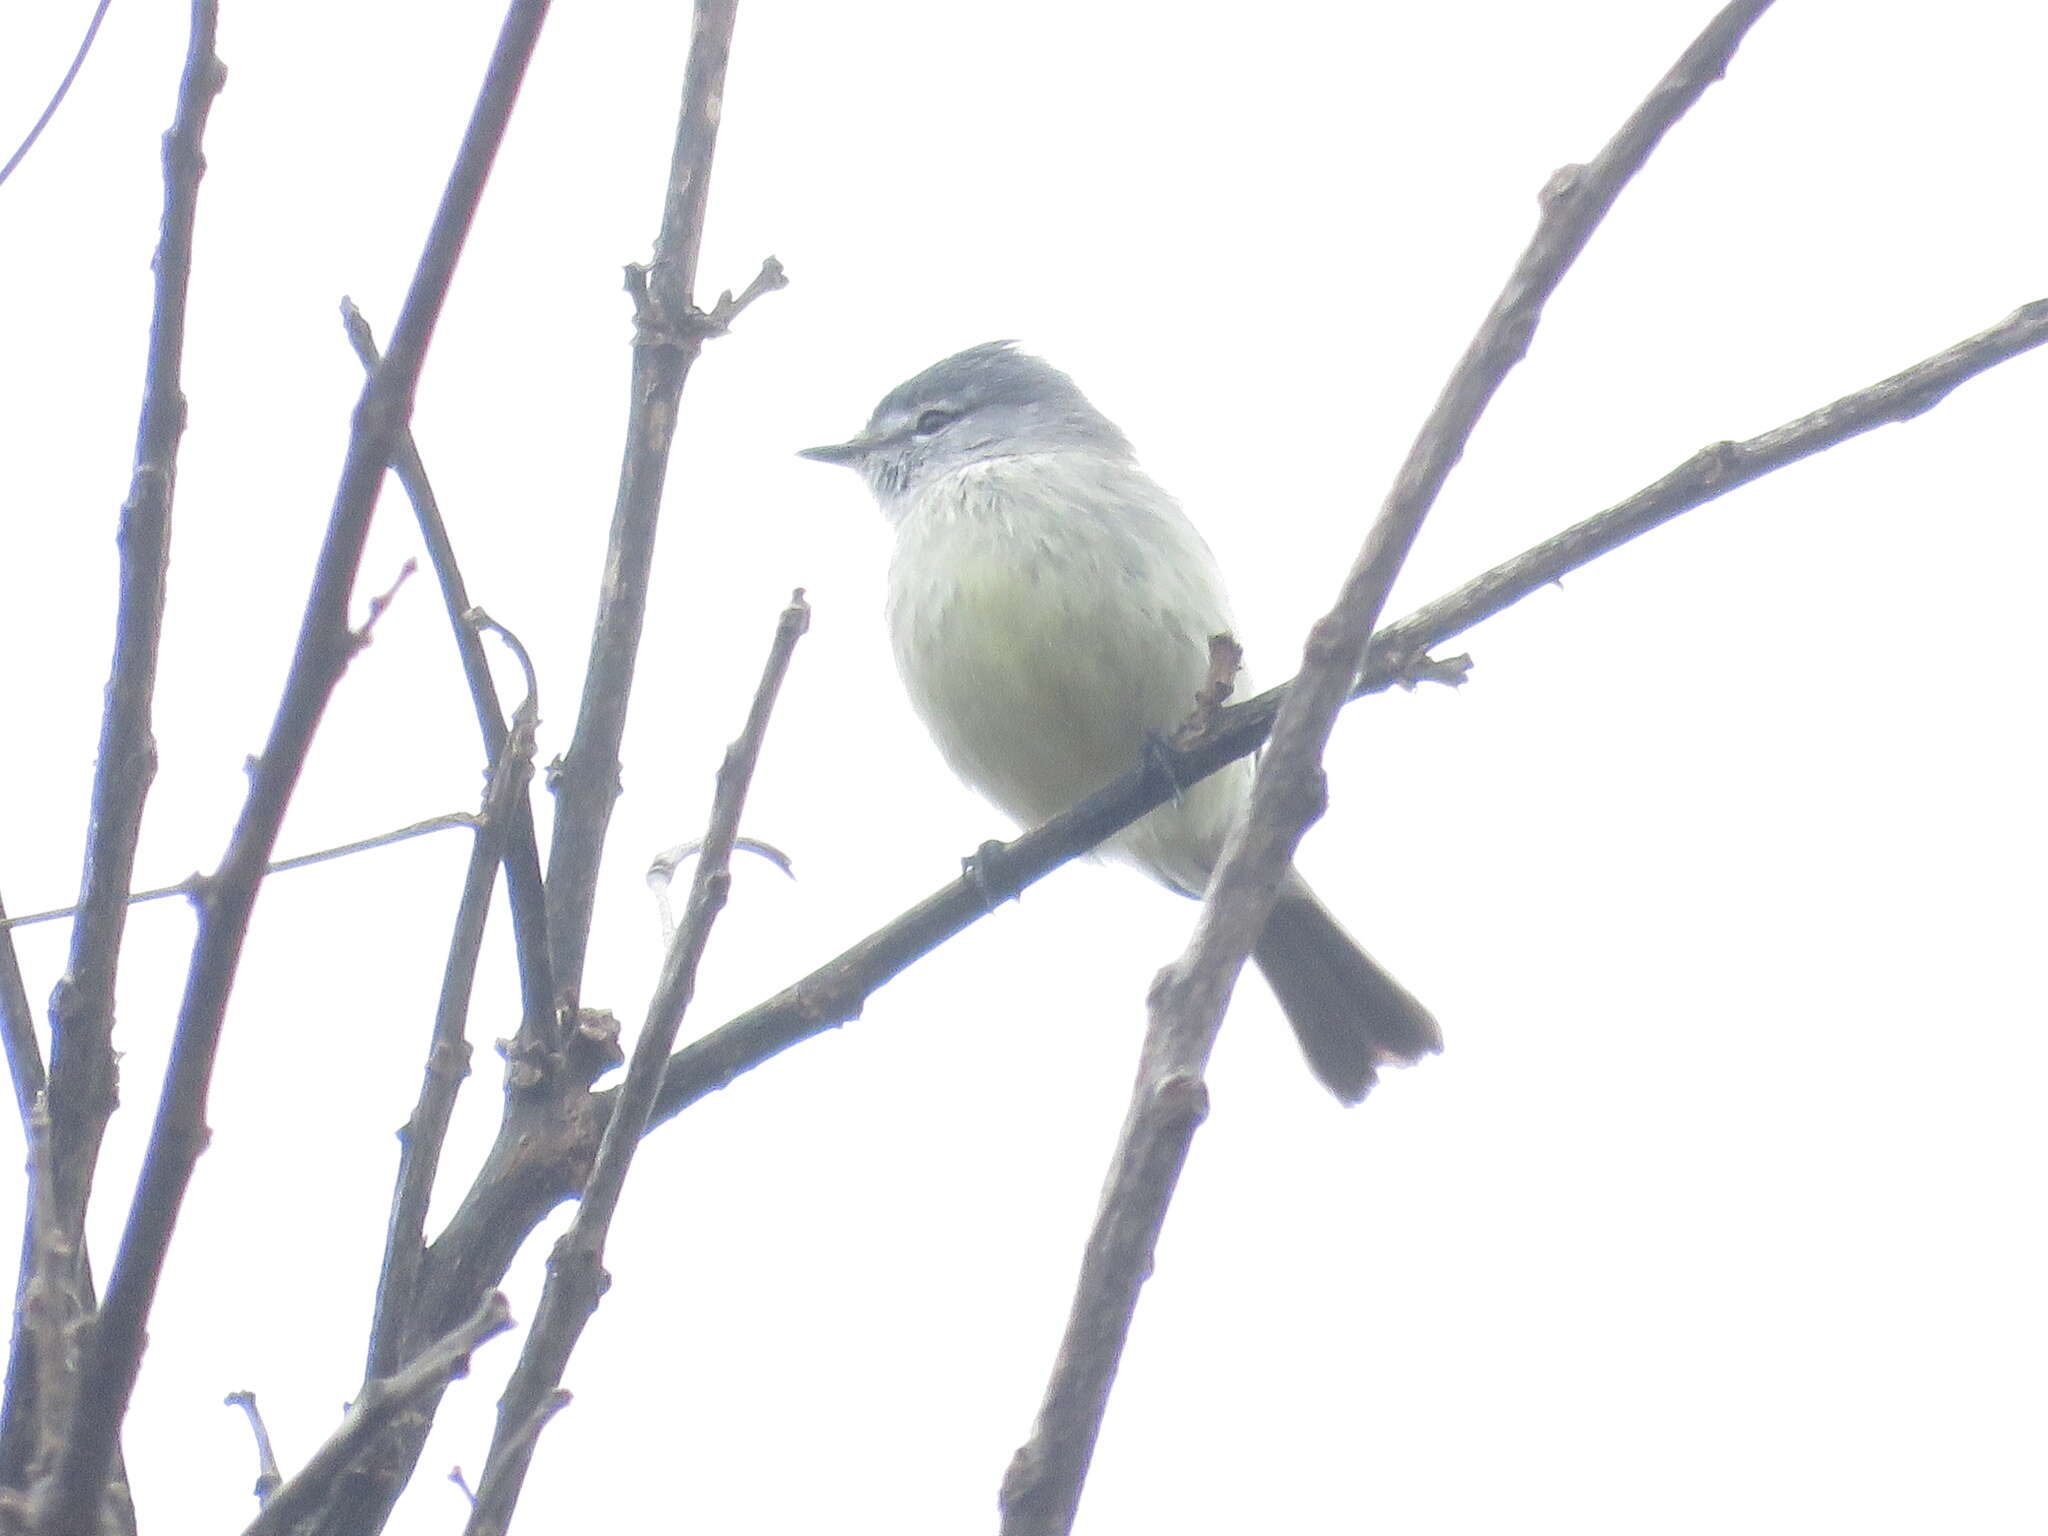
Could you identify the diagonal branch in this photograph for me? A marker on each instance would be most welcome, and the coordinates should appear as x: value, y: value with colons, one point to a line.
x: 380, y: 1401
x: 268, y: 1478
x: 113, y: 1354
x: 576, y: 1277
x: 1042, y: 1490
x: 669, y: 332
x: 526, y: 1179
x: 424, y: 1133
x: 523, y: 886
x: 18, y: 1025
x: 836, y: 992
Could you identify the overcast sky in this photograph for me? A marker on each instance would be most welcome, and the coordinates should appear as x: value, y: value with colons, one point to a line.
x: 1721, y: 1209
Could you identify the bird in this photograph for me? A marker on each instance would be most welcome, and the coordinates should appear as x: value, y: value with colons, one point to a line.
x: 1051, y: 611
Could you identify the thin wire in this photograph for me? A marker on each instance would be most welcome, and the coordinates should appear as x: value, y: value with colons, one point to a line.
x: 92, y: 31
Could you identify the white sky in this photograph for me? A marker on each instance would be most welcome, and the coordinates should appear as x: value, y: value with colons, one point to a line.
x: 1720, y: 1210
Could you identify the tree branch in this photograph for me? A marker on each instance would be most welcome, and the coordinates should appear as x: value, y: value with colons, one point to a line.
x: 837, y: 991
x: 576, y: 1277
x: 1042, y: 1490
x: 524, y: 890
x: 113, y: 1353
x: 268, y: 1478
x: 82, y: 1070
x: 381, y: 1400
x: 669, y: 333
x: 422, y: 1137
x: 18, y: 1026
x: 81, y: 1089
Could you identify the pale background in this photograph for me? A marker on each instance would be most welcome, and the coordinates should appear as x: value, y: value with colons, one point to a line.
x: 1721, y: 1209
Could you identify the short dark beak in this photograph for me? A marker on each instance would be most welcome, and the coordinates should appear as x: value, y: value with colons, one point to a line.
x: 836, y: 453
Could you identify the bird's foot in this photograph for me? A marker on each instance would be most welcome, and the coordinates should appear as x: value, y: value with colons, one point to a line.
x: 984, y: 870
x: 1162, y: 761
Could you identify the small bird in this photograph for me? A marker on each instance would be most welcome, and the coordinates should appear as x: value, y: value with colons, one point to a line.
x: 1051, y: 610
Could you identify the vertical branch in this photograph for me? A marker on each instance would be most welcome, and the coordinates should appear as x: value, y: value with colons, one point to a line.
x: 523, y: 887
x: 668, y: 336
x: 18, y: 1027
x: 448, y: 1052
x: 1042, y: 1490
x: 81, y: 1085
x: 82, y: 1089
x: 549, y: 1110
x: 114, y: 1344
x: 576, y: 1275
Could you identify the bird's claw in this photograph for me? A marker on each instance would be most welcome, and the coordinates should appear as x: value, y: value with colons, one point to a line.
x: 983, y: 870
x: 1160, y: 758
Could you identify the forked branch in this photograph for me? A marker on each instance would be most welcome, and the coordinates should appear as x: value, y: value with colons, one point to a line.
x: 1042, y: 1490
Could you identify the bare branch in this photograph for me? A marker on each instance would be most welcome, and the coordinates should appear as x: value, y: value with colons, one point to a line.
x: 576, y: 1277
x: 268, y: 1477
x: 717, y: 321
x: 82, y: 1070
x: 1042, y: 1489
x: 662, y: 872
x: 837, y: 991
x: 51, y: 1303
x: 18, y: 1025
x: 114, y: 1347
x: 422, y: 1137
x: 81, y: 1087
x: 491, y: 1509
x: 381, y: 1400
x: 669, y: 332
x: 1707, y: 475
x: 523, y: 887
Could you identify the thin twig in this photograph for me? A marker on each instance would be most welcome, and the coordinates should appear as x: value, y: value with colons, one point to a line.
x: 421, y: 1139
x: 523, y: 886
x: 268, y: 1477
x: 50, y: 1300
x: 381, y: 1400
x: 669, y: 331
x: 18, y: 1026
x: 325, y: 646
x: 194, y: 885
x: 717, y: 321
x: 92, y: 30
x: 576, y: 1277
x: 1042, y: 1490
x: 661, y: 873
x: 490, y: 1507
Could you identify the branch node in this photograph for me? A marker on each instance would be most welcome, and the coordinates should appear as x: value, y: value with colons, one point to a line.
x: 1451, y: 671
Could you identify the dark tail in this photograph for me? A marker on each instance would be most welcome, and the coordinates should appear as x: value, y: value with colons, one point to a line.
x: 1350, y: 1016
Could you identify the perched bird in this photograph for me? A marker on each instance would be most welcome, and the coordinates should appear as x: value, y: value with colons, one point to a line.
x: 1051, y: 610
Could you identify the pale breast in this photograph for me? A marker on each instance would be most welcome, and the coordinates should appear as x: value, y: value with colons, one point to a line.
x: 1048, y: 613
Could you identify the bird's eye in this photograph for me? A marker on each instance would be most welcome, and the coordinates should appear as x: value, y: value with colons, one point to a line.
x: 935, y: 421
